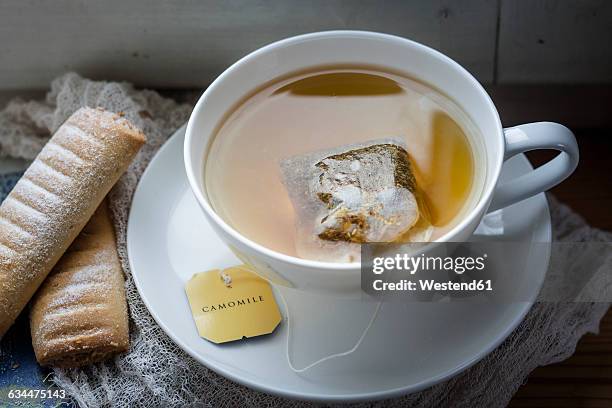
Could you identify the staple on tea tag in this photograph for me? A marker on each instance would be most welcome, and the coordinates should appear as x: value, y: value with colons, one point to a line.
x: 226, y: 278
x: 232, y: 304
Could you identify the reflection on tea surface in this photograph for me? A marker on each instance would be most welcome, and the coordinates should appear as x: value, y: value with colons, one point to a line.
x: 356, y: 84
x: 314, y: 111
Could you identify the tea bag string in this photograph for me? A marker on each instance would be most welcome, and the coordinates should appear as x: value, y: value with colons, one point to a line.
x: 331, y: 356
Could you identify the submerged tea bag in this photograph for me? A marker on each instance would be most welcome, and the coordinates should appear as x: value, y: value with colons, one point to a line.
x: 352, y: 195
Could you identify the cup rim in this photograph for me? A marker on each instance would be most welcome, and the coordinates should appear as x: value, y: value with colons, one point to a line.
x: 473, y: 213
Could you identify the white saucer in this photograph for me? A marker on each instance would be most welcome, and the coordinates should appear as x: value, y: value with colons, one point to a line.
x: 409, y: 347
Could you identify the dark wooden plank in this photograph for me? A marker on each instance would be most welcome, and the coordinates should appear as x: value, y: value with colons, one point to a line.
x: 555, y: 41
x: 186, y: 43
x: 585, y: 379
x: 560, y: 403
x: 589, y: 190
x: 576, y: 106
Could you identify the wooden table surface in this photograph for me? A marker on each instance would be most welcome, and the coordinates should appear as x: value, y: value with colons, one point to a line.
x: 585, y: 379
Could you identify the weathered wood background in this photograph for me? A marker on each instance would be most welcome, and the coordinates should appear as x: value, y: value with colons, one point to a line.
x: 186, y: 43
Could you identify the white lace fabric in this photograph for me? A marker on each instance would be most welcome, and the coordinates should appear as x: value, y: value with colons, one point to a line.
x: 156, y: 373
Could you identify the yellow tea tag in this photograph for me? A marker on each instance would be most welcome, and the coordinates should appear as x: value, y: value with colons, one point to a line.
x: 231, y: 304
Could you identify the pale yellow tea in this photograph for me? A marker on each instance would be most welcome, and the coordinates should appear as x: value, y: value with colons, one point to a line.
x: 327, y: 109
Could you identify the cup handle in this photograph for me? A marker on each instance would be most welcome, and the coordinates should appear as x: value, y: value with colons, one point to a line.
x: 532, y: 136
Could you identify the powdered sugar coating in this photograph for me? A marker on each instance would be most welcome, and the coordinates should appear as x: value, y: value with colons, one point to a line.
x: 56, y: 197
x: 79, y: 314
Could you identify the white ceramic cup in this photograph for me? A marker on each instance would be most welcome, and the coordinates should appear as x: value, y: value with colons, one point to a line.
x: 399, y: 55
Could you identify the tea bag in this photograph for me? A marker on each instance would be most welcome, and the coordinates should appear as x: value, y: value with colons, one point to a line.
x: 352, y: 195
